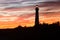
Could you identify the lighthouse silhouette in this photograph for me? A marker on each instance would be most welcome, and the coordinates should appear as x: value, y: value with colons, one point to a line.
x: 37, y: 16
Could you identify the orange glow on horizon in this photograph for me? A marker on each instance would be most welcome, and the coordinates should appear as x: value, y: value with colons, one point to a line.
x: 27, y: 23
x: 26, y: 17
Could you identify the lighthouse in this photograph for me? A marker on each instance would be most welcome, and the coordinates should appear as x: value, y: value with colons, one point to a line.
x: 36, y: 15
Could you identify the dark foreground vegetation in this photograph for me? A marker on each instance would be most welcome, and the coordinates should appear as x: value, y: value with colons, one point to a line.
x: 42, y: 30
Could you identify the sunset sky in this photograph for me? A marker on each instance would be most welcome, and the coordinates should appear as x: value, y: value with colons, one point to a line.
x: 22, y: 12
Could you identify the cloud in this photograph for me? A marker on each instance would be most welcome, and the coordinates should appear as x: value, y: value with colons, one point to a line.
x: 20, y: 3
x: 6, y: 19
x: 15, y: 13
x: 9, y: 1
x: 29, y: 11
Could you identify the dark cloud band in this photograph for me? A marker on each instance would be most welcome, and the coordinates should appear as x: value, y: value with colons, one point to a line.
x: 19, y: 3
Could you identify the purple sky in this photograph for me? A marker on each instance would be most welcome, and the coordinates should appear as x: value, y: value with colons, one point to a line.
x: 20, y: 3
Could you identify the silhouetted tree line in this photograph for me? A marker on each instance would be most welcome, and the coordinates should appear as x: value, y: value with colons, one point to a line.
x: 30, y: 32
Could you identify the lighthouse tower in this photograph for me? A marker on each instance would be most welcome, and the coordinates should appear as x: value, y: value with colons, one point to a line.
x: 36, y: 15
